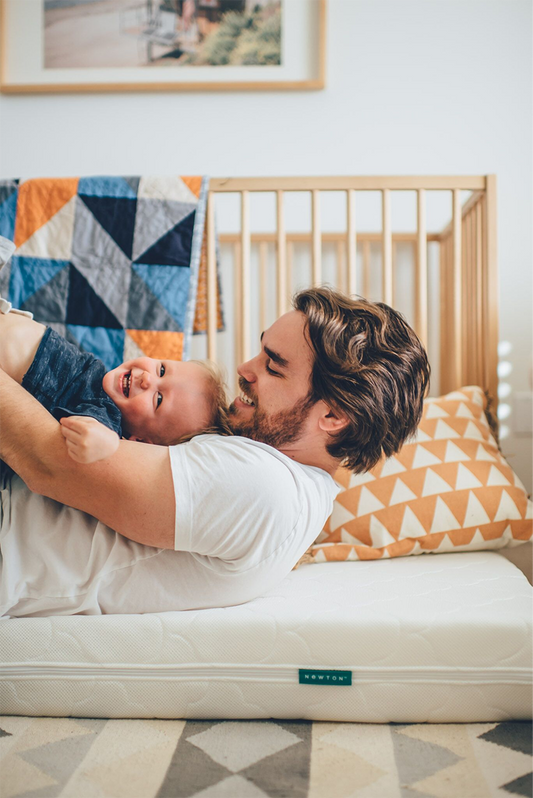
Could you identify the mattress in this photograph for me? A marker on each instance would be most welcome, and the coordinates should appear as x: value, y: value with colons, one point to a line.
x: 433, y: 638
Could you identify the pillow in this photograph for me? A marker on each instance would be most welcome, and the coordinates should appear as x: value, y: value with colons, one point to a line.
x: 447, y: 489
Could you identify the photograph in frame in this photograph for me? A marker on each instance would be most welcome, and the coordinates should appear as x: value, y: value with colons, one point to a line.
x: 150, y: 45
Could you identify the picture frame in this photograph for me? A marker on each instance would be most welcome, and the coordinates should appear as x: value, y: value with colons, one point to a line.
x: 25, y: 45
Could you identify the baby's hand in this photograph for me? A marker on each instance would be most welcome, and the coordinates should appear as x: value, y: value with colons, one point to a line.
x: 87, y: 439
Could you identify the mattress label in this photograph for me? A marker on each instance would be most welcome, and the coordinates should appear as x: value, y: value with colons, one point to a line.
x: 324, y: 677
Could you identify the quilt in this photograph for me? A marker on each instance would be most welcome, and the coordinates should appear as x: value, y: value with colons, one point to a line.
x: 115, y: 264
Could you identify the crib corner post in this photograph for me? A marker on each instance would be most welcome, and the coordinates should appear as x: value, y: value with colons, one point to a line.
x: 491, y: 303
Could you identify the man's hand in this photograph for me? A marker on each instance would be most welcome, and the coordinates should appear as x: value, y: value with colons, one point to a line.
x: 87, y: 439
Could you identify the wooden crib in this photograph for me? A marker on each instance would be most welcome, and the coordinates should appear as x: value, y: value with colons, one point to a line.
x: 444, y: 279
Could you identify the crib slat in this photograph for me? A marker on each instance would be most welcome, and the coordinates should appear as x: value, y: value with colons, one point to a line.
x: 245, y: 274
x: 290, y: 262
x: 442, y: 315
x: 464, y: 295
x: 485, y: 318
x: 387, y: 248
x: 351, y: 248
x: 457, y: 289
x: 211, y: 280
x: 471, y: 301
x: 446, y: 314
x: 421, y: 314
x: 366, y: 268
x: 282, y: 255
x: 491, y: 283
x: 394, y: 258
x: 341, y: 271
x: 237, y: 292
x: 479, y: 292
x: 263, y: 284
x: 449, y: 329
x: 317, y: 239
x: 473, y: 292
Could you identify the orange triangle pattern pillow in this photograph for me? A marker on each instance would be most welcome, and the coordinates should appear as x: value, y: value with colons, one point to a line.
x: 447, y: 489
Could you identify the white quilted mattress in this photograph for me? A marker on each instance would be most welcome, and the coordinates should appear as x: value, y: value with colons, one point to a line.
x: 438, y: 638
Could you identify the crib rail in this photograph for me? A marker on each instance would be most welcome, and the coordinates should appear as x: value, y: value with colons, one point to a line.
x: 466, y: 307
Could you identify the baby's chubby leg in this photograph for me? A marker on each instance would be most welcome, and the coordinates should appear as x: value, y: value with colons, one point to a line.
x: 20, y: 337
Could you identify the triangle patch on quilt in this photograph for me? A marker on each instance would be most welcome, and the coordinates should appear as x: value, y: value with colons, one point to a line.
x: 105, y: 343
x: 117, y: 216
x: 152, y: 343
x: 51, y: 299
x: 28, y: 275
x: 153, y: 220
x: 8, y: 209
x: 54, y: 238
x: 109, y: 186
x: 84, y: 305
x: 169, y: 284
x: 172, y: 248
x: 145, y: 311
x: 39, y: 200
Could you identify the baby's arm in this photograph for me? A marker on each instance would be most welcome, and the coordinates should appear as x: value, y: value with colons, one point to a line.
x: 20, y: 337
x: 87, y: 439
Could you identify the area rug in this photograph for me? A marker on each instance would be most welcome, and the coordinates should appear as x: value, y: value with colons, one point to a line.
x: 88, y: 758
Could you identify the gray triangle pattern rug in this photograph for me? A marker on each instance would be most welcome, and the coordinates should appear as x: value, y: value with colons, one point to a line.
x: 92, y: 758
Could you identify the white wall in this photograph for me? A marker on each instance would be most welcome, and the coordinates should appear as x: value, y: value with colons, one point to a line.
x: 413, y: 87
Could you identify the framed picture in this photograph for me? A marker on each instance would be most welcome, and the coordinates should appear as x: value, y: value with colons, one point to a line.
x: 161, y: 45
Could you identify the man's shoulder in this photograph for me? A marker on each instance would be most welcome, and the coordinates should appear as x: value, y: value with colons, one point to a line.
x: 236, y: 445
x: 238, y: 453
x: 230, y: 447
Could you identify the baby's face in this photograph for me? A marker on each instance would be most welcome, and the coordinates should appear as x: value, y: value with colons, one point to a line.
x: 160, y: 400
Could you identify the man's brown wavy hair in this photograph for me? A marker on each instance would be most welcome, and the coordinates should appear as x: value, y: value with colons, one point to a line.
x: 371, y: 367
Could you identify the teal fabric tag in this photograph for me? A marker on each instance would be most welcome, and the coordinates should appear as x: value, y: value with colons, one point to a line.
x: 324, y: 677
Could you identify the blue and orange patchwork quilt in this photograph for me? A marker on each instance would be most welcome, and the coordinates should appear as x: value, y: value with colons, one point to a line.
x: 115, y: 264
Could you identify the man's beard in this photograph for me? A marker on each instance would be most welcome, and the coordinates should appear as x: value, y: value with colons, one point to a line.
x: 277, y: 429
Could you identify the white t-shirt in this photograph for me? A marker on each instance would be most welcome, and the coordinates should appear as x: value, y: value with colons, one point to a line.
x: 245, y: 513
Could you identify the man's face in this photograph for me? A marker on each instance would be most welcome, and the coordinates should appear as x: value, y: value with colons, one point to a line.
x: 159, y: 400
x: 274, y: 406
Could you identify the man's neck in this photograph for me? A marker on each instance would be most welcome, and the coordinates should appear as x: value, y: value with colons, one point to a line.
x: 306, y: 455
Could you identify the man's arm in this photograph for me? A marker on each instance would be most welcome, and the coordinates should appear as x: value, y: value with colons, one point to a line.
x: 132, y: 491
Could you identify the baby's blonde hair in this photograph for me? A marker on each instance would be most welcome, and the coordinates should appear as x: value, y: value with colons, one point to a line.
x: 219, y: 398
x: 218, y: 403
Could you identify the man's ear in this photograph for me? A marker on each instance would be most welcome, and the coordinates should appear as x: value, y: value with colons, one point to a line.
x: 332, y: 421
x: 139, y: 440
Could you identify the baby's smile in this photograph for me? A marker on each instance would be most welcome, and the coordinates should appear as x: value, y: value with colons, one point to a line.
x: 126, y: 384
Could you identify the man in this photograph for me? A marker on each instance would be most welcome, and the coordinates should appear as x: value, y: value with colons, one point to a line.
x: 215, y: 521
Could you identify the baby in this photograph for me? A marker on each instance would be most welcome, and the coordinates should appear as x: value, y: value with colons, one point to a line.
x: 145, y: 399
